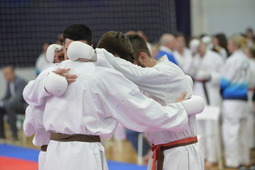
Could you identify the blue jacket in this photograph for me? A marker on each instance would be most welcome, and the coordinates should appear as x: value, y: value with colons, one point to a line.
x: 169, y: 56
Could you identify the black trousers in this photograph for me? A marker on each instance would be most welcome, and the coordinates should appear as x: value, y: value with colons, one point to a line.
x: 11, y: 110
x: 2, y: 133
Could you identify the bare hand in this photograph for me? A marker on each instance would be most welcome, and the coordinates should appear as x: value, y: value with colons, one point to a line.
x: 59, y: 56
x: 64, y: 72
x: 181, y: 97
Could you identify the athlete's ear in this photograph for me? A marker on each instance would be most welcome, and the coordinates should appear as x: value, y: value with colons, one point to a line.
x: 142, y: 57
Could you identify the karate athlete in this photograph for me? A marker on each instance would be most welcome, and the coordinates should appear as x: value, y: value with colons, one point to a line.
x: 250, y: 53
x: 33, y: 124
x: 163, y: 82
x: 234, y: 86
x: 90, y: 108
x: 182, y: 54
x: 207, y: 67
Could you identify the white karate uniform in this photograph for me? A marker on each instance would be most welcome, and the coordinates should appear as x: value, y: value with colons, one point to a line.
x: 93, y: 105
x: 185, y: 60
x: 211, y: 64
x: 234, y: 86
x: 208, y: 65
x: 165, y: 82
x: 223, y: 53
x: 33, y: 123
x: 251, y: 109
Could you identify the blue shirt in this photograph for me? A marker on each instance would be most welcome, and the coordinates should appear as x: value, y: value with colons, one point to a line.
x: 169, y: 56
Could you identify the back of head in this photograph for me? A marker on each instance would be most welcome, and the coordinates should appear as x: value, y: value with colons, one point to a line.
x: 118, y: 44
x: 139, y: 45
x: 78, y: 32
x: 222, y: 40
x: 166, y: 38
x: 179, y: 34
x: 239, y: 41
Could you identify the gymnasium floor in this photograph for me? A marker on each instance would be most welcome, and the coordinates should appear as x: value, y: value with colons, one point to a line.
x: 22, y: 155
x: 21, y: 158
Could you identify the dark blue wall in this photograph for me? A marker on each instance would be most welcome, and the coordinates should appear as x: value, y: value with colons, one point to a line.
x: 27, y: 24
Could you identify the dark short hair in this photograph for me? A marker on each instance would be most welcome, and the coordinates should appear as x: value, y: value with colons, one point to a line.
x: 139, y: 45
x: 222, y: 40
x: 117, y: 43
x: 179, y: 34
x: 78, y: 32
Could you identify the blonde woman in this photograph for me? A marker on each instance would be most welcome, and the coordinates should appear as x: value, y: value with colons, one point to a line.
x: 234, y: 86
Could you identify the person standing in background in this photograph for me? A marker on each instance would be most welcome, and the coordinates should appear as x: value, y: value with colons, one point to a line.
x: 234, y: 86
x: 12, y: 102
x: 182, y: 53
x: 167, y: 44
x: 220, y: 45
x: 250, y: 53
x: 41, y: 62
x: 250, y: 37
x: 207, y: 65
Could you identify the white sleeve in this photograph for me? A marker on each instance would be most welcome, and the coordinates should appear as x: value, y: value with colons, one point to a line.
x: 136, y: 111
x: 216, y: 74
x: 140, y: 113
x: 33, y: 120
x: 33, y: 124
x: 147, y: 79
x: 41, y: 137
x: 34, y: 93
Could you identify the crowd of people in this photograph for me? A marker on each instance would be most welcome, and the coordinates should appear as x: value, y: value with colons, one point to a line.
x: 94, y: 91
x: 223, y: 72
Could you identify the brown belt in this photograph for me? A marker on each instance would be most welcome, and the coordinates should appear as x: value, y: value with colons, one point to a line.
x: 158, y: 150
x: 44, y: 148
x: 72, y: 138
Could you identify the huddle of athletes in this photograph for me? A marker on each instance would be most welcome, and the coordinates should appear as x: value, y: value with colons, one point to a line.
x: 83, y: 96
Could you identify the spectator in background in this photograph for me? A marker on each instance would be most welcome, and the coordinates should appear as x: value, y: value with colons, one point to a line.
x: 207, y: 40
x: 220, y: 45
x: 234, y: 86
x: 41, y: 62
x: 182, y: 54
x: 250, y: 37
x: 250, y: 53
x: 207, y: 65
x: 167, y: 45
x: 12, y: 102
x: 193, y: 46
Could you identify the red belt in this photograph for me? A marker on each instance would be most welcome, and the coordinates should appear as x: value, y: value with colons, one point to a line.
x: 158, y: 150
